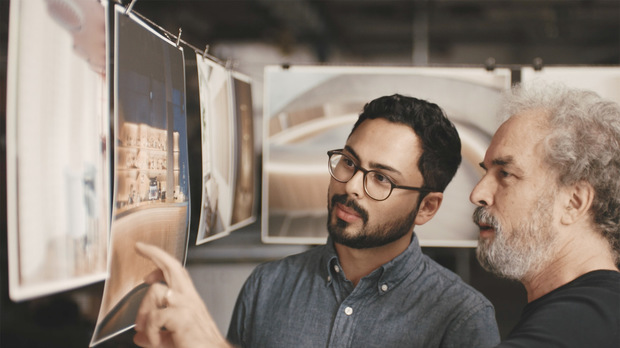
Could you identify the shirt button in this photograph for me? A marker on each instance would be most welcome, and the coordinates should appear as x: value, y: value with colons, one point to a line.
x: 384, y: 287
x: 329, y: 278
x: 336, y: 268
x: 348, y: 311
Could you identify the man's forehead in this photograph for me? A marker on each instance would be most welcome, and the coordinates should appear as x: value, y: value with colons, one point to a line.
x: 517, y: 143
x: 385, y: 143
x: 523, y: 130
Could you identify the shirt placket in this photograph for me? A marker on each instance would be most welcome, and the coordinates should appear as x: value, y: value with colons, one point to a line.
x: 343, y: 327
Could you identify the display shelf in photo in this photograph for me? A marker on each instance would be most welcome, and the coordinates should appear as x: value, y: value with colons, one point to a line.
x: 57, y: 147
x: 151, y: 201
x: 311, y: 109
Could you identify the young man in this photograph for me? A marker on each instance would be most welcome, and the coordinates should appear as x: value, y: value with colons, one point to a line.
x: 549, y: 208
x: 370, y: 285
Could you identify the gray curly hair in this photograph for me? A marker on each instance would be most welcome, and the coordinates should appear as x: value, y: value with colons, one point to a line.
x: 583, y: 145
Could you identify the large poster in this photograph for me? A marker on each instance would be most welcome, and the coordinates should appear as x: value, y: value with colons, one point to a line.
x: 227, y: 140
x: 57, y: 147
x: 604, y: 80
x: 151, y: 176
x: 311, y: 109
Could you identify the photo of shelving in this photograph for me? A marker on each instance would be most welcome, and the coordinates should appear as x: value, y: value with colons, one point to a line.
x: 151, y: 178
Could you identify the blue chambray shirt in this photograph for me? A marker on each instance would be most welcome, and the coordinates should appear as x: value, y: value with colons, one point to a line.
x: 305, y: 300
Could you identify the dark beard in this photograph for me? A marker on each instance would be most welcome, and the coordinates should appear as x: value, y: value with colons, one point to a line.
x: 368, y: 237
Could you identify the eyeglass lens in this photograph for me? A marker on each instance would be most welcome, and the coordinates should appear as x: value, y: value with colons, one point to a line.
x: 342, y: 168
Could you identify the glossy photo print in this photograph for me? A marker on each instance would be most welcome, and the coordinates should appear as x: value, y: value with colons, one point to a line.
x: 151, y: 176
x: 244, y: 174
x: 57, y: 147
x: 604, y: 80
x: 311, y: 109
x: 228, y: 154
x: 217, y: 136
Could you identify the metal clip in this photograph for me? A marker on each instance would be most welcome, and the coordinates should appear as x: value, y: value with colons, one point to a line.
x: 133, y: 2
x: 179, y: 37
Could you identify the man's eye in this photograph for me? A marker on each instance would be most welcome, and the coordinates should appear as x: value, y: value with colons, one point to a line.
x: 504, y: 173
x: 347, y: 162
x: 380, y: 178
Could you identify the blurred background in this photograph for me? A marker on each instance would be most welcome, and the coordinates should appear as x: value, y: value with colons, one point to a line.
x: 250, y: 34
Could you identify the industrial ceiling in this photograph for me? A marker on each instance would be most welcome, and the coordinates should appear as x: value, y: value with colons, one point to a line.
x: 421, y: 32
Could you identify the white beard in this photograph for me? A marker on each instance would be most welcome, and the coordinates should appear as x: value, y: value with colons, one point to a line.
x: 524, y: 250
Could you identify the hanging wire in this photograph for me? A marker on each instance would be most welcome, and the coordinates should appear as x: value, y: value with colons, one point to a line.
x: 176, y: 38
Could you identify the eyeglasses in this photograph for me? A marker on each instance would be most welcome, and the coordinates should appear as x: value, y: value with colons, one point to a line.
x: 376, y: 185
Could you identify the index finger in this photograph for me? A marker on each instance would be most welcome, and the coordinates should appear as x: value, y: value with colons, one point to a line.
x: 172, y: 270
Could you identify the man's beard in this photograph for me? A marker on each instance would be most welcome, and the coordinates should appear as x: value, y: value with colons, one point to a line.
x: 368, y: 236
x: 525, y: 250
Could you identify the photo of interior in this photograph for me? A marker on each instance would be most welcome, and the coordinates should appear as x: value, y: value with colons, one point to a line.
x: 315, y: 108
x: 151, y: 201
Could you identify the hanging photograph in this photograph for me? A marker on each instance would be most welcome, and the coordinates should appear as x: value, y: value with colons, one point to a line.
x: 311, y: 109
x: 244, y: 189
x: 151, y: 176
x: 217, y: 136
x: 604, y: 80
x: 57, y: 146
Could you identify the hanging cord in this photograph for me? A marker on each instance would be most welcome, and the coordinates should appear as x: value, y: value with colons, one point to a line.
x: 176, y: 38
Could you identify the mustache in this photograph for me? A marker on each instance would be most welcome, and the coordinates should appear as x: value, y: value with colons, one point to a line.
x: 482, y: 217
x: 343, y: 199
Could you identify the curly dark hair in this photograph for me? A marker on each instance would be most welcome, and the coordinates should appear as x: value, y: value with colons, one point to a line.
x: 441, y: 145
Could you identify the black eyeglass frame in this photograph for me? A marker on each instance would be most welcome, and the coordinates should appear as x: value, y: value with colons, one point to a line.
x: 366, y: 171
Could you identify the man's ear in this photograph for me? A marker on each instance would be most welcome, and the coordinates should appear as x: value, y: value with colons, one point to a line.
x: 429, y: 206
x: 578, y: 202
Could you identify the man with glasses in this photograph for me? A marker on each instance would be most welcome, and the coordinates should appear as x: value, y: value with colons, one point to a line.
x: 369, y: 285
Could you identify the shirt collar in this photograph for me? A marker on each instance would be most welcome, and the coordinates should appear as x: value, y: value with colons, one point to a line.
x: 389, y: 274
x: 329, y: 261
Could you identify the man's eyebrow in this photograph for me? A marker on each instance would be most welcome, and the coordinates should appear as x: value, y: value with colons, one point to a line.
x: 373, y: 165
x: 501, y: 161
x: 352, y: 152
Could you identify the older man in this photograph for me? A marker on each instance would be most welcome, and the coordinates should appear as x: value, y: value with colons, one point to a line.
x: 548, y: 211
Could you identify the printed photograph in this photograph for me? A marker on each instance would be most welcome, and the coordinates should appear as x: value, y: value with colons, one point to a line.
x: 151, y: 176
x: 243, y: 210
x: 311, y: 109
x: 604, y: 80
x: 217, y: 135
x: 57, y: 148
